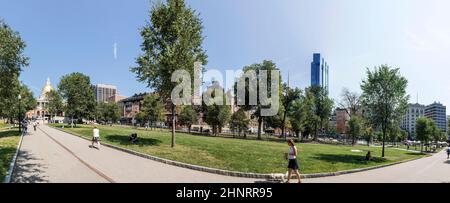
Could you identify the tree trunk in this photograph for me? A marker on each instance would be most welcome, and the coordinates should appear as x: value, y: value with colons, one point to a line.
x: 384, y: 138
x: 173, y: 125
x: 260, y: 120
x: 283, y: 125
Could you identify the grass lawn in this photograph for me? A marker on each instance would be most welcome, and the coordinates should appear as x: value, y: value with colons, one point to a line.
x: 243, y: 155
x: 3, y: 124
x: 8, y: 145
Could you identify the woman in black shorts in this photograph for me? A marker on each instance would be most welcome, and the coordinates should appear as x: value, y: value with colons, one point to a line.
x: 293, y: 164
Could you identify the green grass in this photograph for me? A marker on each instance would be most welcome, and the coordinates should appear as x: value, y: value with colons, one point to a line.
x: 3, y: 124
x: 8, y: 145
x: 243, y: 155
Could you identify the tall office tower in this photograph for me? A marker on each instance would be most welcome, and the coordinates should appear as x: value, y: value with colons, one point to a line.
x: 438, y: 113
x: 102, y: 92
x: 413, y: 112
x: 319, y: 72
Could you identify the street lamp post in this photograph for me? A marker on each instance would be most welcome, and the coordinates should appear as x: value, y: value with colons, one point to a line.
x: 20, y: 117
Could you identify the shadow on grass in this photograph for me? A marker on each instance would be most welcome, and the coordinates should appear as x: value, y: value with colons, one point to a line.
x: 28, y: 169
x: 9, y: 133
x: 124, y: 140
x: 6, y: 154
x: 415, y: 154
x: 350, y: 159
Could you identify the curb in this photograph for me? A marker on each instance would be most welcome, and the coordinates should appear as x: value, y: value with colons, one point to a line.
x: 322, y: 175
x: 273, y: 176
x: 8, y: 176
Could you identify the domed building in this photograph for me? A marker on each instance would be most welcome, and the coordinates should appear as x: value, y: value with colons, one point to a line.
x: 41, y: 112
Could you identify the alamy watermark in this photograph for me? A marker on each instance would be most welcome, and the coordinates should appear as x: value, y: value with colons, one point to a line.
x: 254, y: 84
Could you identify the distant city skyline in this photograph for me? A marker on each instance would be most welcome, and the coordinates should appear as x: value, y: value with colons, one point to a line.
x: 101, y: 39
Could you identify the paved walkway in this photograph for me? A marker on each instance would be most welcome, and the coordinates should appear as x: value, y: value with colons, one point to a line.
x: 435, y: 169
x: 49, y: 155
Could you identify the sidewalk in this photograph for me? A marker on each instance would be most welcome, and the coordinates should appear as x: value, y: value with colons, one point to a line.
x: 42, y: 159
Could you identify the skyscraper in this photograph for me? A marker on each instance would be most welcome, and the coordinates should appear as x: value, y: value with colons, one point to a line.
x: 319, y: 72
x: 103, y: 92
x: 438, y: 113
x: 413, y: 112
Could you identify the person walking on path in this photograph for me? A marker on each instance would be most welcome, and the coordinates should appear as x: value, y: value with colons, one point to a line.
x: 34, y: 126
x: 448, y: 153
x: 291, y: 156
x: 96, y: 137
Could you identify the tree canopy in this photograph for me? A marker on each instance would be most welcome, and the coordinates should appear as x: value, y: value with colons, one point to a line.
x: 384, y: 98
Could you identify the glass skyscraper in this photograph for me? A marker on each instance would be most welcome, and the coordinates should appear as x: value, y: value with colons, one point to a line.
x: 319, y: 72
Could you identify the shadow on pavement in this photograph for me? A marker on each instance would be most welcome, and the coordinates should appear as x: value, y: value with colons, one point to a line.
x: 447, y: 162
x: 27, y: 171
x: 124, y: 140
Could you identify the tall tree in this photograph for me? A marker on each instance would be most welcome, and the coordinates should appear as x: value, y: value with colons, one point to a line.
x: 268, y: 66
x: 153, y: 108
x: 55, y: 104
x: 78, y: 92
x: 354, y: 128
x: 12, y: 62
x: 423, y: 131
x: 19, y: 107
x: 188, y: 117
x: 320, y: 107
x: 350, y: 101
x: 109, y: 112
x: 217, y: 115
x: 172, y: 40
x: 239, y: 121
x: 384, y: 97
x: 297, y: 116
x: 289, y: 95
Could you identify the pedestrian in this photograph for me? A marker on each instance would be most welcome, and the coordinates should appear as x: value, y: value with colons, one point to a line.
x: 96, y: 137
x: 291, y: 156
x: 34, y: 126
x: 25, y: 127
x: 448, y: 153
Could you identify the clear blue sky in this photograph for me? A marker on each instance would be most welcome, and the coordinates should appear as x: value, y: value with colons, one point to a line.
x: 65, y: 36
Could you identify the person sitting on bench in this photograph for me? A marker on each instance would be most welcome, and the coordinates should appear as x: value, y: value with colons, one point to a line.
x: 133, y: 138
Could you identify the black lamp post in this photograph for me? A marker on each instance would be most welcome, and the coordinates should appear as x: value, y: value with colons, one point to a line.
x: 20, y: 117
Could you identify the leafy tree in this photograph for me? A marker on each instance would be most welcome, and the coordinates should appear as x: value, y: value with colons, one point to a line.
x: 311, y: 120
x: 354, y: 128
x: 423, y: 130
x: 403, y: 136
x: 320, y: 107
x: 384, y: 98
x: 268, y: 66
x: 20, y: 107
x: 288, y: 97
x: 55, y: 104
x: 172, y: 40
x: 77, y: 91
x: 109, y: 112
x: 297, y: 116
x: 368, y: 134
x: 141, y: 118
x: 188, y: 117
x: 217, y: 115
x: 153, y: 108
x: 239, y: 121
x: 12, y: 62
x: 394, y: 133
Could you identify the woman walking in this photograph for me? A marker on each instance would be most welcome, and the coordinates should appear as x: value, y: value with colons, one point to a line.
x: 291, y: 156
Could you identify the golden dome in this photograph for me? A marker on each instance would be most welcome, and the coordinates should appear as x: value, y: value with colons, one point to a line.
x: 47, y: 88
